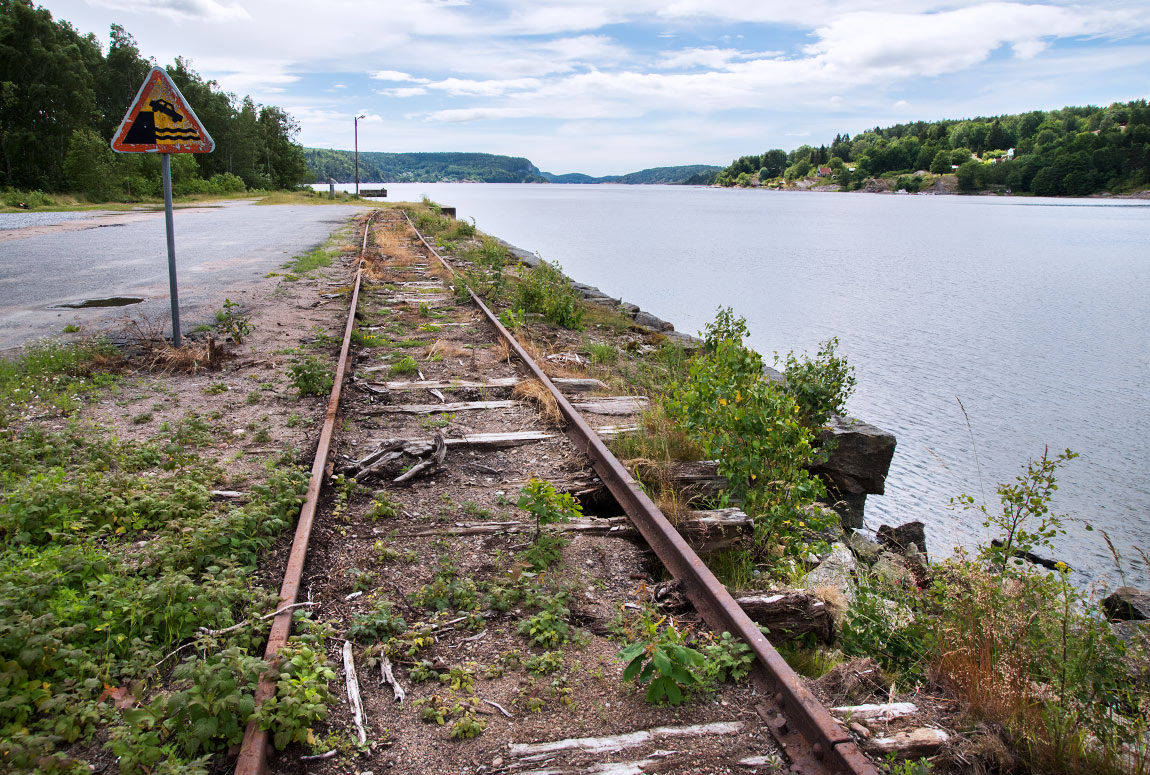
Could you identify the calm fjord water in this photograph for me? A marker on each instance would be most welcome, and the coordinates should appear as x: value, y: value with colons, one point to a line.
x: 1035, y: 313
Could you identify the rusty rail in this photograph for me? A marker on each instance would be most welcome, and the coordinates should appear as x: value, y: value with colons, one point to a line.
x: 812, y: 739
x: 253, y: 758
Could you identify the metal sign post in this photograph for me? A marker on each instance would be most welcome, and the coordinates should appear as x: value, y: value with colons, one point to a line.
x: 166, y: 172
x: 161, y: 121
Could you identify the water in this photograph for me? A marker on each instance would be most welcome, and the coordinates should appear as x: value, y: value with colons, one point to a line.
x: 1035, y: 313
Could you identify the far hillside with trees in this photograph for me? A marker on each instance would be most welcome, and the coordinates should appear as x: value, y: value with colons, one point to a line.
x: 1067, y: 152
x: 62, y: 97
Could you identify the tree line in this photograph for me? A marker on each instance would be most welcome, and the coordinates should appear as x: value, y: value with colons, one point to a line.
x: 380, y: 167
x: 1074, y: 151
x: 62, y: 97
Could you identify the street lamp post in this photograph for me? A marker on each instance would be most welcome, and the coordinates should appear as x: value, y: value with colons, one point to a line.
x: 357, y: 118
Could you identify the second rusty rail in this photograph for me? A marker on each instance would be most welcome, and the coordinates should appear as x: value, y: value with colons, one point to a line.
x: 811, y: 738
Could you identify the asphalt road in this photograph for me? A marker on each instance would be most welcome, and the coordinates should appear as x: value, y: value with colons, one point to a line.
x: 51, y: 259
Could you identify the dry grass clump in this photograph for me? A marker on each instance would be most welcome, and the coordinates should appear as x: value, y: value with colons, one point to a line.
x: 146, y: 338
x: 189, y: 358
x: 1022, y: 651
x: 445, y: 349
x: 502, y: 350
x: 533, y: 391
x: 394, y: 243
x: 658, y: 438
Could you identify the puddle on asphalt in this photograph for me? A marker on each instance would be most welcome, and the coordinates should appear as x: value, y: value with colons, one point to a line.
x: 111, y: 301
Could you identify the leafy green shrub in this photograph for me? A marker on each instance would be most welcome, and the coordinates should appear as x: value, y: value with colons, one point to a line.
x: 727, y: 659
x: 448, y: 592
x: 311, y: 376
x: 897, y: 633
x: 540, y: 499
x: 512, y: 319
x: 377, y: 625
x: 1021, y: 505
x: 544, y: 289
x: 548, y: 628
x: 382, y: 507
x: 666, y: 662
x: 820, y: 386
x: 28, y: 199
x: 753, y: 428
x: 301, y: 696
x: 231, y: 322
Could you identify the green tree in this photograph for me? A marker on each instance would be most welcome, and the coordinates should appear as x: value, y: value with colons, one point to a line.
x: 971, y: 176
x: 89, y: 166
x: 941, y: 163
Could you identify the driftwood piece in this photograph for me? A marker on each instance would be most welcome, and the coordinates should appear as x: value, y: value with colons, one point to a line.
x: 925, y: 741
x: 620, y: 742
x: 887, y: 711
x: 439, y: 452
x: 388, y: 677
x: 353, y: 696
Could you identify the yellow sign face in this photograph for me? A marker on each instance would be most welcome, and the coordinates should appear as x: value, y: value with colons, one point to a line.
x: 161, y: 121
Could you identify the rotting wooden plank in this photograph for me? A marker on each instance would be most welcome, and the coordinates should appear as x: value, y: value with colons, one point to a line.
x: 696, y: 524
x: 458, y: 406
x: 614, y: 431
x: 628, y: 740
x: 567, y: 385
x: 925, y: 741
x: 612, y: 405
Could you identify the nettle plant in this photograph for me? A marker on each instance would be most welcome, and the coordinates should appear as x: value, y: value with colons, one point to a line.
x: 756, y: 430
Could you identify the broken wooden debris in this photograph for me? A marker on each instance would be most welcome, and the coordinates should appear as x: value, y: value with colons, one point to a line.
x: 439, y: 452
x: 353, y: 696
x: 914, y: 744
x: 627, y: 740
x: 389, y: 450
x: 877, y: 712
x: 614, y: 431
x: 388, y: 677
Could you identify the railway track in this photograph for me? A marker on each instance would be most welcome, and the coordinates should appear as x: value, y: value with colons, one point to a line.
x: 501, y: 639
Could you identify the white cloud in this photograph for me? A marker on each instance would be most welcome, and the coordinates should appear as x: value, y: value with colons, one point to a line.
x: 404, y: 91
x: 461, y: 87
x: 181, y: 10
x: 396, y: 76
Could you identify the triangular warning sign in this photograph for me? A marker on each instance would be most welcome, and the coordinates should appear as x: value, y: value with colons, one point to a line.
x: 161, y: 121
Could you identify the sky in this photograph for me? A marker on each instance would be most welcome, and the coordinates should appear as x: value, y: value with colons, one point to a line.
x: 614, y: 86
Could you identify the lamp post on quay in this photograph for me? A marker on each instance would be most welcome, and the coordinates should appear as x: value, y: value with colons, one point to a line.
x: 357, y: 118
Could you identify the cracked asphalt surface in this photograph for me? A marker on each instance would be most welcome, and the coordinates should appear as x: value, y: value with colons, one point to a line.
x: 222, y: 250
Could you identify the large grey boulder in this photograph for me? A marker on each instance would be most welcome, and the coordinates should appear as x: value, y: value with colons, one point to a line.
x: 836, y: 571
x: 860, y: 457
x: 647, y: 320
x: 1127, y: 603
